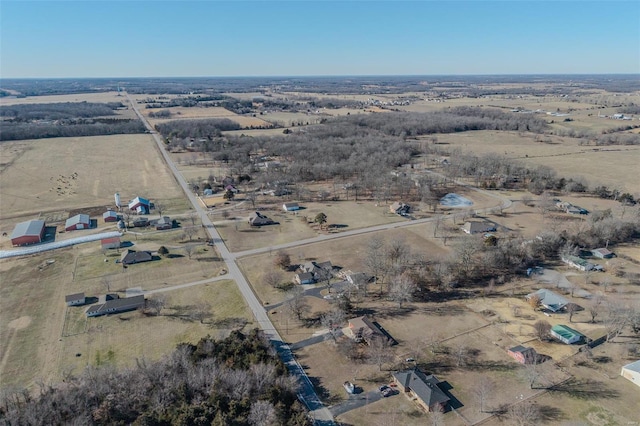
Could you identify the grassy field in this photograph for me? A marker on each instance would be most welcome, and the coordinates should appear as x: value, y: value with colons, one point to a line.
x: 77, y: 97
x: 184, y: 113
x: 72, y: 173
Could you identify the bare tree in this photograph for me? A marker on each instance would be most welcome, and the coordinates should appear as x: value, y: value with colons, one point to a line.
x: 541, y: 329
x: 544, y: 204
x: 374, y: 260
x: 263, y: 413
x: 572, y: 308
x: 460, y: 352
x: 189, y: 249
x: 595, y: 307
x: 189, y: 232
x: 201, y: 311
x: 482, y: 390
x: 325, y: 274
x: 524, y: 414
x: 531, y: 373
x: 106, y: 282
x: 193, y: 218
x: 282, y: 260
x: 378, y: 351
x: 397, y: 253
x: 272, y: 278
x: 159, y: 206
x: 157, y: 303
x: 401, y: 289
x: 252, y: 196
x: 333, y: 320
x: 297, y: 304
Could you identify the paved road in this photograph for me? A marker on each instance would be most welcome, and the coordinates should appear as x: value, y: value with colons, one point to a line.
x: 316, y: 339
x: 307, y: 393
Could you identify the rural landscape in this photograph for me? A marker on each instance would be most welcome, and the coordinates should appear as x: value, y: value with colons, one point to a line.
x: 439, y: 250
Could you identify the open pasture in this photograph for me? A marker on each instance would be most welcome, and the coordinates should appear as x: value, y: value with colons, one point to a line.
x: 98, y: 97
x: 612, y: 166
x: 72, y: 173
x: 184, y: 113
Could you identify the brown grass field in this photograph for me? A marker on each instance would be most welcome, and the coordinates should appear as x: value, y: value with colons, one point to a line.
x: 35, y: 321
x: 101, y: 97
x: 128, y: 164
x: 183, y: 113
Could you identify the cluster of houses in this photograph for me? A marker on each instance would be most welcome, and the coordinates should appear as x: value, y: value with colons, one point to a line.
x: 584, y: 265
x: 107, y: 304
x: 555, y: 303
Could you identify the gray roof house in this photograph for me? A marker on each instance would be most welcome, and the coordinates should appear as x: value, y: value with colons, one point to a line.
x: 305, y: 278
x: 477, y: 227
x: 77, y: 299
x: 549, y: 299
x: 115, y: 306
x: 258, y: 219
x: 130, y: 257
x: 424, y: 389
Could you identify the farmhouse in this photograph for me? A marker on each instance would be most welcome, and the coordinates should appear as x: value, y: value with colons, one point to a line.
x: 115, y: 306
x: 139, y: 205
x: 632, y: 372
x: 603, y: 253
x: 129, y: 257
x: 549, y: 299
x: 79, y: 221
x: 29, y: 232
x: 258, y: 219
x: 305, y: 278
x: 566, y: 334
x: 362, y: 329
x: 317, y: 268
x: 77, y: 299
x: 358, y: 278
x: 523, y: 354
x: 290, y: 207
x: 164, y: 222
x: 110, y: 243
x: 478, y: 227
x: 399, y: 208
x: 110, y: 216
x: 423, y: 389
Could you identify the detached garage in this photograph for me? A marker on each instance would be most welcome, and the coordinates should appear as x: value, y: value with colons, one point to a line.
x: 79, y: 221
x: 30, y: 232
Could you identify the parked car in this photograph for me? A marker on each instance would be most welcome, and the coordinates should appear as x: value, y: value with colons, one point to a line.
x: 349, y: 387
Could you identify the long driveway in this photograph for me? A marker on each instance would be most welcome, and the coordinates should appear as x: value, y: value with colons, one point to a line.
x: 307, y: 393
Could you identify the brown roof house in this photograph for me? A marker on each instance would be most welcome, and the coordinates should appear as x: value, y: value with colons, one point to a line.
x: 423, y: 389
x: 258, y: 219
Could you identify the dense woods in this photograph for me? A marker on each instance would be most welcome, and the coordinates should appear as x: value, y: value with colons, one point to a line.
x: 235, y: 381
x: 207, y: 128
x: 56, y: 111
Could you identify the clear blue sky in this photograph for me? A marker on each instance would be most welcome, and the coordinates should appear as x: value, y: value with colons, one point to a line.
x: 287, y: 38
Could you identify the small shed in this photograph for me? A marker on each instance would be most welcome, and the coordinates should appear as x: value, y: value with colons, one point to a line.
x: 77, y: 299
x: 566, y: 334
x: 290, y: 207
x: 110, y: 216
x: 110, y: 243
x: 79, y: 221
x: 29, y: 232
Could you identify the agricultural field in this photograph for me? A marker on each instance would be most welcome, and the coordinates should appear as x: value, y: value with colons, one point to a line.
x: 48, y: 175
x: 100, y: 97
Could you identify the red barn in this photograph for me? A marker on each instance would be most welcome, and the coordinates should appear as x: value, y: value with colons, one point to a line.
x: 110, y: 243
x: 523, y: 354
x: 79, y: 221
x: 30, y: 232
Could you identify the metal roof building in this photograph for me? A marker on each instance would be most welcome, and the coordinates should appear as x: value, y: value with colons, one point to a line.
x: 79, y: 221
x: 29, y: 232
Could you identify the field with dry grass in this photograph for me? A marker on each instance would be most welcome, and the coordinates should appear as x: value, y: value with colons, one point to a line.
x: 100, y: 97
x: 48, y: 175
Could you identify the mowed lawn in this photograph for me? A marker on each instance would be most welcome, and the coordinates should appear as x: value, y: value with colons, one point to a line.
x: 71, y: 173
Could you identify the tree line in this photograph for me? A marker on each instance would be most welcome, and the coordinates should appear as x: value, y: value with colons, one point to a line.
x: 56, y: 111
x: 69, y: 128
x: 235, y: 381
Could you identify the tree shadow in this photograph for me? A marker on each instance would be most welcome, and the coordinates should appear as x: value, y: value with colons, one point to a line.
x: 550, y: 414
x: 585, y: 389
x: 323, y: 393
